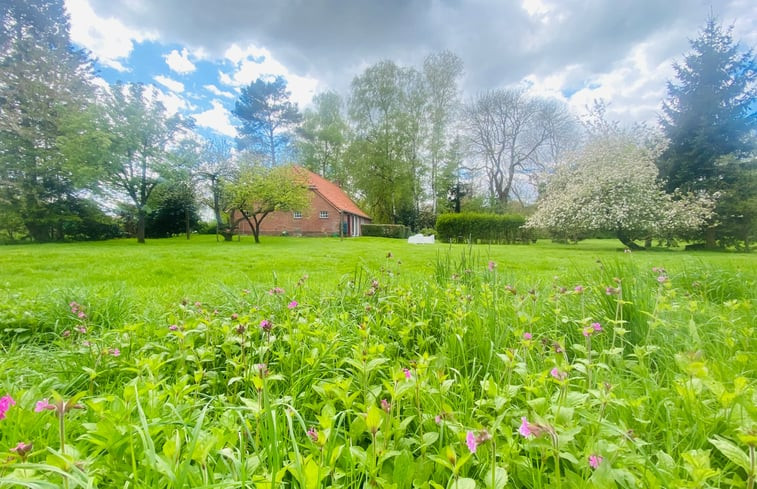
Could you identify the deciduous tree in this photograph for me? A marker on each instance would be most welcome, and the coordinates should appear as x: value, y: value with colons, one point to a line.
x: 611, y: 185
x: 142, y: 135
x: 260, y: 190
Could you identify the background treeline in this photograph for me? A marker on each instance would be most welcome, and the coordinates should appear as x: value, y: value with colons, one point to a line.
x: 82, y: 160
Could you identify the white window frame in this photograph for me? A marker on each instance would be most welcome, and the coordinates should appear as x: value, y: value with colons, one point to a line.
x: 296, y: 214
x: 323, y: 214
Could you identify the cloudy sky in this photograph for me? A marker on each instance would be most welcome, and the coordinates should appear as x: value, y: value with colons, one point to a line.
x: 200, y: 53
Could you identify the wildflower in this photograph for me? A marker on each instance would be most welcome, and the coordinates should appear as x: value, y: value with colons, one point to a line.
x: 594, y: 461
x: 266, y: 325
x: 662, y: 279
x: 43, y: 405
x: 240, y: 329
x: 557, y: 374
x: 470, y: 440
x: 578, y: 289
x: 386, y: 405
x: 5, y: 403
x: 492, y: 266
x: 525, y: 428
x: 173, y: 327
x: 86, y: 343
x: 81, y: 329
x: 81, y: 315
x: 593, y: 328
x: 115, y: 352
x: 234, y: 316
x: 438, y: 419
x: 22, y: 449
x: 408, y: 374
x: 66, y: 334
x: 596, y: 327
x: 612, y: 290
x: 262, y: 368
x: 292, y: 305
x: 276, y: 291
x: 527, y: 336
x: 511, y: 289
x: 482, y: 437
x: 313, y: 434
x: 198, y: 304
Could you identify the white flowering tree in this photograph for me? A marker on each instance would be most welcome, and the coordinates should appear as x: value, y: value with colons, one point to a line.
x: 611, y: 185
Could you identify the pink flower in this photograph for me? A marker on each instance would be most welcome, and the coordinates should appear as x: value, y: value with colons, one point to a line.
x: 234, y: 316
x: 594, y: 461
x: 596, y: 326
x: 662, y: 279
x: 44, y: 405
x: 5, y: 403
x: 527, y: 336
x: 81, y: 329
x: 292, y: 305
x: 386, y: 405
x: 22, y: 449
x: 276, y: 291
x: 313, y: 434
x: 408, y: 374
x: 66, y: 334
x: 438, y: 419
x: 173, y: 327
x: 578, y: 289
x: 265, y: 325
x: 557, y: 374
x: 86, y: 343
x: 492, y: 266
x: 470, y: 440
x: 115, y: 352
x: 81, y: 315
x: 525, y: 427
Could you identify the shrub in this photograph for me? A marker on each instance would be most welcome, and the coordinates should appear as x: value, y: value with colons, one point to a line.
x: 385, y: 230
x: 488, y: 228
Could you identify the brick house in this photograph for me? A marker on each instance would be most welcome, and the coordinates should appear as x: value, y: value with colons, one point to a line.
x: 329, y: 206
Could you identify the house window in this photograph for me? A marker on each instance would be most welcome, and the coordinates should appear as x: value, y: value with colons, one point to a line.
x: 297, y: 214
x: 324, y: 214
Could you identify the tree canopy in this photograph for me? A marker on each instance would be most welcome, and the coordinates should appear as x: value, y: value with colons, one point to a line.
x: 612, y: 185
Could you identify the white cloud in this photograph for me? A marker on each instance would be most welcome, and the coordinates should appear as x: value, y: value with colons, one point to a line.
x: 173, y: 85
x: 253, y: 63
x: 172, y: 102
x: 107, y: 38
x: 217, y: 91
x: 218, y: 119
x: 179, y: 61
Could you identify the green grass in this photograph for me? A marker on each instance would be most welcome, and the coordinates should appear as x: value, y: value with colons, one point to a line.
x: 392, y: 357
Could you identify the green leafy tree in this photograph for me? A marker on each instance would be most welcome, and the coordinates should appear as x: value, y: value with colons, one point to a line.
x: 142, y: 135
x: 51, y: 143
x: 216, y: 168
x: 267, y: 117
x: 612, y: 185
x: 172, y: 210
x: 709, y: 114
x: 441, y: 72
x: 323, y: 137
x: 386, y: 109
x: 259, y: 190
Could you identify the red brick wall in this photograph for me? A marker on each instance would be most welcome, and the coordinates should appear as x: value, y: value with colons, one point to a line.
x: 310, y: 224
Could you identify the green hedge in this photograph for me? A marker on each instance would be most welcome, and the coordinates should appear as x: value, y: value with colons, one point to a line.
x: 485, y: 228
x: 385, y: 230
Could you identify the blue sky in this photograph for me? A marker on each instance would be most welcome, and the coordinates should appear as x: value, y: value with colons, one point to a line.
x: 199, y: 54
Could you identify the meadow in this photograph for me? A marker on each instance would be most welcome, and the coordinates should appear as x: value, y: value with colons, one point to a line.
x: 368, y: 362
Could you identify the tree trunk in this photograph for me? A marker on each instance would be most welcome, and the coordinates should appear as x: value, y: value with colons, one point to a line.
x: 186, y: 222
x: 709, y: 239
x: 141, y: 226
x: 627, y: 241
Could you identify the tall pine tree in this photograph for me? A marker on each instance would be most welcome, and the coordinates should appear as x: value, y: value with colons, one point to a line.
x: 709, y: 118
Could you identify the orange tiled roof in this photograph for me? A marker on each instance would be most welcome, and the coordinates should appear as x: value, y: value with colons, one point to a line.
x: 331, y: 192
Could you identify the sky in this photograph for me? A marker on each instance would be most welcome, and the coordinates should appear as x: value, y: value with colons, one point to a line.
x: 200, y: 53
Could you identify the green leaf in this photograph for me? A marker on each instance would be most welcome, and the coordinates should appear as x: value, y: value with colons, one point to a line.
x: 500, y: 478
x: 730, y: 450
x: 373, y: 418
x: 465, y: 483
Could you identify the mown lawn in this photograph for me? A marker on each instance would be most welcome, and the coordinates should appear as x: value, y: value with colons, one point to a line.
x: 373, y: 363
